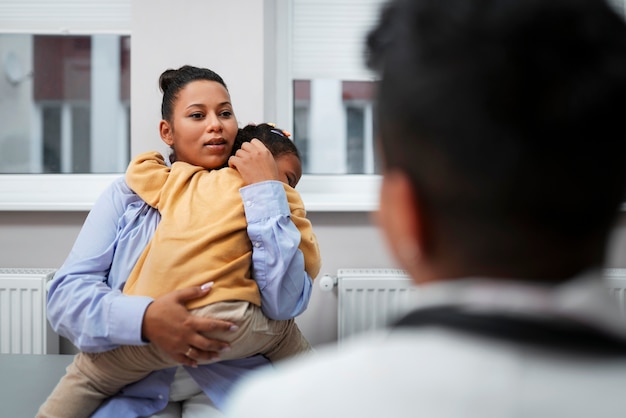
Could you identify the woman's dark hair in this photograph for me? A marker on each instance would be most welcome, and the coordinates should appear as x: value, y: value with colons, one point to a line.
x: 172, y: 81
x: 275, y: 139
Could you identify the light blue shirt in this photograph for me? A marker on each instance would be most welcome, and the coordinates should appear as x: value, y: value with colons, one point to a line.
x: 86, y: 304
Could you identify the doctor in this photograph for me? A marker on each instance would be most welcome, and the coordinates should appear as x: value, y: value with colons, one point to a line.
x: 503, y: 149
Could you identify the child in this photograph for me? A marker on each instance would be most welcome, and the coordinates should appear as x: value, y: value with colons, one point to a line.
x: 200, y: 239
x: 208, y: 215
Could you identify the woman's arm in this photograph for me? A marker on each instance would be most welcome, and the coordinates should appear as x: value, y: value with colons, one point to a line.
x: 277, y: 262
x: 308, y: 242
x: 85, y: 302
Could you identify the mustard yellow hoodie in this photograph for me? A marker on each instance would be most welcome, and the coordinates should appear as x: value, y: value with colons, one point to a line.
x: 202, y: 234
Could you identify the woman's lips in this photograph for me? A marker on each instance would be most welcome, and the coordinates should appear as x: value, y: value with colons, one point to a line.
x: 215, y: 146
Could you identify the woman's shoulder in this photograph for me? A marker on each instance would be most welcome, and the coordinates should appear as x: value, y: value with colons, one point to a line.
x: 119, y: 207
x: 120, y: 189
x: 117, y: 196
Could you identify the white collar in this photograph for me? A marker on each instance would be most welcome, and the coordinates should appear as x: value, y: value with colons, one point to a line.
x: 584, y: 298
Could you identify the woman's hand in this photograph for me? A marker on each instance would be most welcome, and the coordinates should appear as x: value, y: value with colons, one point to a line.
x: 254, y: 162
x: 168, y: 324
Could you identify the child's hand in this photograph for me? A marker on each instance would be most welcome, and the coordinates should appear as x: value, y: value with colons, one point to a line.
x: 254, y: 162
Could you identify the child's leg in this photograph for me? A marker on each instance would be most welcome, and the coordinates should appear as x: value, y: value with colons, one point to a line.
x: 93, y: 377
x: 290, y: 343
x: 257, y: 334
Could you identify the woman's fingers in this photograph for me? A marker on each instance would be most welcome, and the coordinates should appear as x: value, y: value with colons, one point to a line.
x: 169, y: 325
x: 206, y: 343
x: 190, y: 293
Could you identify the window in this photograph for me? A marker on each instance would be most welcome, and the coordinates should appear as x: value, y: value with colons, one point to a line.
x: 69, y: 109
x: 64, y: 67
x: 334, y: 125
x: 103, y: 20
x: 333, y: 118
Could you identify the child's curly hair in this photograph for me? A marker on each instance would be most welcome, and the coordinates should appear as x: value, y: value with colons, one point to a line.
x: 275, y: 139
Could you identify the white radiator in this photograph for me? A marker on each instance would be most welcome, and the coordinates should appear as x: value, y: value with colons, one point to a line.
x: 24, y: 328
x: 369, y: 299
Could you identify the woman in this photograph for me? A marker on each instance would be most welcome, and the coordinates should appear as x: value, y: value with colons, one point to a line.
x: 85, y: 302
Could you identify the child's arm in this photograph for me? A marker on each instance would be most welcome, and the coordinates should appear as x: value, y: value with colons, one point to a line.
x: 146, y: 175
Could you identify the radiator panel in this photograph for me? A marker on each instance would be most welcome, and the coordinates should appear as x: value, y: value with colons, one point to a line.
x: 24, y: 328
x: 370, y: 299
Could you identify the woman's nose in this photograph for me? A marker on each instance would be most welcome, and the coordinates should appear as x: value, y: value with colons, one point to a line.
x: 214, y: 124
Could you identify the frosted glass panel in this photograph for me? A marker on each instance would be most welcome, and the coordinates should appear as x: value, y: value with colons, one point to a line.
x: 65, y: 103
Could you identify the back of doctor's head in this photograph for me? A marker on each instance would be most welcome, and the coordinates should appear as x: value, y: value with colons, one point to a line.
x: 507, y: 117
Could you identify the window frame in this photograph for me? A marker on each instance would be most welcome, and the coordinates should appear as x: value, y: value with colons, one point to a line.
x: 324, y: 193
x: 78, y: 192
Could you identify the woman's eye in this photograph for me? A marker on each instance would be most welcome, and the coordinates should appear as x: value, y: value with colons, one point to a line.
x: 226, y: 113
x: 196, y: 115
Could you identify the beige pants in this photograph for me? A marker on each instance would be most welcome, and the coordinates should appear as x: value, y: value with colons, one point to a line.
x: 93, y: 377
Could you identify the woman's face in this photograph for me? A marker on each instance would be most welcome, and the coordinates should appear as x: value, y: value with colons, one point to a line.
x: 203, y: 126
x: 289, y: 169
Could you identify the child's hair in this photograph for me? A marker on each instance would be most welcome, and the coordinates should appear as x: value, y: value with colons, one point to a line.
x: 275, y: 139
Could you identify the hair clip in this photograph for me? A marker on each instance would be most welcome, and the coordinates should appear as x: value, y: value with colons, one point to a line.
x: 281, y: 133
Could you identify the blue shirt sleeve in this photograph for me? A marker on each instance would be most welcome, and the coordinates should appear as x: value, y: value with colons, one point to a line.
x: 277, y: 263
x: 85, y: 302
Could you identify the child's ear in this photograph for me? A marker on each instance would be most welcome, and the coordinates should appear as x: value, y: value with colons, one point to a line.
x: 166, y: 132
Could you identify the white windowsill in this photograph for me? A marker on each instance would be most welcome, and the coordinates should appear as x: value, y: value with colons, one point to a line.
x: 78, y: 192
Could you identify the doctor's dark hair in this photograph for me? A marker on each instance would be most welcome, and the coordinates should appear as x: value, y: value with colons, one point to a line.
x: 275, y: 139
x: 171, y: 82
x: 506, y: 116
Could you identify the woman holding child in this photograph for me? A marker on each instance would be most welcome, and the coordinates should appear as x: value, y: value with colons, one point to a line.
x: 86, y: 303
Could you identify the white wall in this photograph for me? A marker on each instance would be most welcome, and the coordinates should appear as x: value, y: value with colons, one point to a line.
x: 224, y: 36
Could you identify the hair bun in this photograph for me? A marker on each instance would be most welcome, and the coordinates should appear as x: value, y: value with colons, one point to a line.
x: 166, y: 79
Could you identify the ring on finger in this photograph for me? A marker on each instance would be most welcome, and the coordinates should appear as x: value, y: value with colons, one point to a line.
x: 188, y: 353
